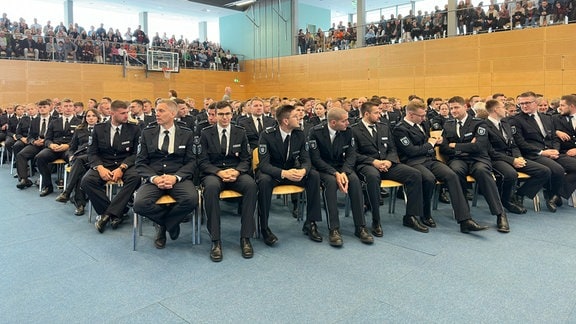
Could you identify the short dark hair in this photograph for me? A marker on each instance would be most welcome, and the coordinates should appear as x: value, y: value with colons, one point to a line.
x: 366, y: 107
x: 223, y: 104
x: 138, y: 102
x: 118, y: 104
x: 527, y: 94
x: 491, y: 104
x: 570, y: 99
x: 458, y: 99
x: 283, y: 112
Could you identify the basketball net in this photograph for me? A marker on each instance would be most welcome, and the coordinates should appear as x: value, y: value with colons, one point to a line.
x: 166, y: 72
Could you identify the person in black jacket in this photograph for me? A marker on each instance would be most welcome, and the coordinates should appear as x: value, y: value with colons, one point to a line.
x: 507, y: 161
x: 112, y: 153
x: 333, y: 154
x: 284, y: 159
x: 376, y: 160
x: 256, y: 122
x: 565, y: 124
x: 166, y: 161
x: 224, y: 160
x: 466, y: 146
x: 78, y: 160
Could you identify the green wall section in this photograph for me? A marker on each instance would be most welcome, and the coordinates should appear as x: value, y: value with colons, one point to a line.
x: 273, y: 38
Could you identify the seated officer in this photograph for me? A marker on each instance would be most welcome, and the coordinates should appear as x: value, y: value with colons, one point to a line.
x: 166, y: 162
x: 565, y: 124
x: 256, y: 122
x: 507, y: 161
x: 333, y: 154
x: 416, y: 149
x: 466, y: 146
x: 224, y: 163
x: 377, y: 160
x: 57, y: 142
x: 112, y: 153
x: 284, y: 159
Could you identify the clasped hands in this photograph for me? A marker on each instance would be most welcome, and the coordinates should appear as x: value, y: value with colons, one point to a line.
x: 228, y: 175
x: 165, y: 181
x: 295, y: 175
x: 382, y: 165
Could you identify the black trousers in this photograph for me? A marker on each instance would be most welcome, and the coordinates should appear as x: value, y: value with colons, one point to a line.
x: 410, y: 177
x: 78, y: 168
x: 266, y: 184
x: 183, y: 192
x: 95, y: 189
x: 245, y: 185
x: 26, y: 154
x: 539, y: 175
x: 43, y: 160
x: 482, y: 173
x: 563, y: 174
x: 354, y: 194
x: 432, y: 170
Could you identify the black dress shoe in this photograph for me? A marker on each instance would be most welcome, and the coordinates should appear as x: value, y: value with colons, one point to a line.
x: 518, y: 200
x: 412, y: 222
x: 116, y: 221
x: 469, y: 196
x: 363, y: 235
x: 558, y: 200
x: 175, y: 232
x: 384, y: 193
x: 101, y: 223
x: 428, y: 221
x: 216, y: 251
x: 46, y: 191
x: 24, y: 183
x: 269, y: 237
x: 515, y: 209
x: 311, y: 229
x: 377, y: 230
x: 246, y: 247
x: 335, y: 238
x: 502, y: 223
x: 443, y: 198
x: 551, y: 205
x: 79, y: 211
x: 63, y: 197
x: 470, y: 225
x: 160, y: 240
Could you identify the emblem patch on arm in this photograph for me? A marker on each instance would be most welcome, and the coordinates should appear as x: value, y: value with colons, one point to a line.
x: 405, y: 141
x: 263, y: 149
x: 481, y: 131
x: 313, y: 144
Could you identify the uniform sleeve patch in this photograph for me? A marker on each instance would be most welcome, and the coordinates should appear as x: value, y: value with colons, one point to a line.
x: 263, y: 149
x: 352, y: 142
x: 313, y: 144
x: 481, y: 131
x: 405, y: 141
x: 513, y: 129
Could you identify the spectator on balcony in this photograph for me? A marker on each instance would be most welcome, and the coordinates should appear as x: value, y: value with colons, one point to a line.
x: 559, y: 13
x: 370, y: 37
x: 545, y: 11
x: 504, y: 18
x: 6, y: 43
x: 492, y: 18
x: 70, y: 49
x: 531, y: 13
x: 28, y: 45
x: 88, y: 51
x: 101, y: 32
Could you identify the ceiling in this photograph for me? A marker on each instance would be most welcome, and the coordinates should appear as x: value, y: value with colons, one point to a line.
x: 213, y: 9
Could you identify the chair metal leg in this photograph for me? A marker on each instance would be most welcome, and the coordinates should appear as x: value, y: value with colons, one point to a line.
x: 475, y: 194
x: 134, y: 225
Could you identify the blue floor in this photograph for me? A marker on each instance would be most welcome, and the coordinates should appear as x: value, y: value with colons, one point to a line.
x: 56, y: 268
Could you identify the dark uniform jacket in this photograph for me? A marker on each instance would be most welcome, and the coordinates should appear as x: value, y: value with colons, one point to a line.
x: 564, y: 124
x: 339, y: 156
x: 79, y: 142
x: 502, y: 149
x: 273, y: 159
x: 56, y: 133
x: 211, y: 160
x: 369, y: 149
x: 412, y: 144
x: 101, y: 151
x: 23, y: 127
x: 151, y: 161
x: 252, y: 132
x: 528, y: 136
x: 466, y: 150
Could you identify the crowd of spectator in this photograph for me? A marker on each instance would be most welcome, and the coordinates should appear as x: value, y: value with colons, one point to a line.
x: 74, y: 43
x: 471, y: 19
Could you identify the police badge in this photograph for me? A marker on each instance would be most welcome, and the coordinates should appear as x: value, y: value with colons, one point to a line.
x: 405, y: 141
x: 313, y: 144
x: 263, y: 149
x: 481, y: 131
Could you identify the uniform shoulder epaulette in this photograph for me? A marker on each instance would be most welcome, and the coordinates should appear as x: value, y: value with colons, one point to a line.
x: 181, y: 124
x: 355, y: 124
x: 477, y: 119
x: 271, y: 129
x: 450, y: 121
x: 238, y: 126
x: 319, y: 126
x: 151, y: 125
x: 298, y: 130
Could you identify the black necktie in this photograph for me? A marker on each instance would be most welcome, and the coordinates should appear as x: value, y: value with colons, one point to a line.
x: 373, y: 131
x: 458, y: 128
x: 224, y: 143
x: 67, y: 124
x: 90, y: 130
x: 116, y: 139
x: 43, y: 127
x: 418, y: 127
x: 166, y: 141
x: 501, y: 129
x: 259, y: 125
x: 570, y: 119
x: 286, y: 145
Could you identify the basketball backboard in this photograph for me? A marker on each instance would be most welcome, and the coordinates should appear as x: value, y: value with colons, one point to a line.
x: 163, y: 61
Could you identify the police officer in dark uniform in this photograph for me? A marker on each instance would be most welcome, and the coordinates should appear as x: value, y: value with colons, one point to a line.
x: 535, y: 135
x: 112, y: 153
x: 565, y: 124
x: 256, y: 122
x: 507, y: 160
x: 57, y: 142
x: 166, y: 161
x: 224, y: 162
x: 376, y: 160
x: 416, y: 149
x: 284, y: 159
x: 334, y: 156
x: 466, y: 145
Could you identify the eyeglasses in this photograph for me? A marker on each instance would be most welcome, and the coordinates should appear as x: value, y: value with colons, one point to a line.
x: 525, y: 103
x: 224, y: 114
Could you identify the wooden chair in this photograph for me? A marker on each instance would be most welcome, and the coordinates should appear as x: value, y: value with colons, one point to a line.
x: 384, y: 184
x: 60, y: 172
x: 280, y: 190
x: 167, y: 200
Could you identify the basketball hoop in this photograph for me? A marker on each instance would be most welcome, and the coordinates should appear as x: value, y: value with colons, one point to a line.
x: 166, y: 72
